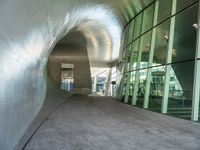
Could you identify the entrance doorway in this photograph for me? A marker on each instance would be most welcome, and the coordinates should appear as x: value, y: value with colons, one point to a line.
x: 67, y: 77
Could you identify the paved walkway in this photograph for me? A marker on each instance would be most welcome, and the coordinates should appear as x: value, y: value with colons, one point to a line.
x: 102, y: 123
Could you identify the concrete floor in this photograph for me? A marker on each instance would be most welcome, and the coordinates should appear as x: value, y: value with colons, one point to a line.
x: 102, y: 123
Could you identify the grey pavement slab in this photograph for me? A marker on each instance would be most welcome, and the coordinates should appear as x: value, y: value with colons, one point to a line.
x: 102, y: 123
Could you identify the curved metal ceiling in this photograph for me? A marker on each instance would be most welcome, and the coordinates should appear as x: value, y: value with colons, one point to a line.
x: 103, y: 29
x: 29, y: 29
x: 127, y: 9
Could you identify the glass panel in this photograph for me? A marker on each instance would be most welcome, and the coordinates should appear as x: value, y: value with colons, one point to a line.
x: 131, y: 31
x: 127, y: 53
x: 129, y: 56
x: 124, y: 85
x: 126, y: 36
x: 156, y: 88
x: 147, y: 2
x: 123, y: 39
x: 145, y: 48
x: 137, y: 6
x: 185, y: 44
x: 181, y: 89
x: 148, y: 18
x: 164, y: 9
x: 135, y: 48
x: 132, y: 81
x: 141, y: 87
x: 161, y: 44
x: 131, y: 86
x: 119, y: 85
x: 181, y: 4
x: 137, y: 28
x: 121, y: 68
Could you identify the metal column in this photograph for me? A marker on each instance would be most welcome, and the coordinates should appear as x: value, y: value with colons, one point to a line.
x: 169, y: 59
x: 129, y: 77
x: 124, y: 73
x: 129, y: 73
x: 196, y: 86
x: 125, y: 58
x: 95, y: 83
x: 135, y: 89
x: 153, y: 39
x: 108, y: 83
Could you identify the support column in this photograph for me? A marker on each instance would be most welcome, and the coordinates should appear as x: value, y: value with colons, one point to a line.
x: 196, y: 85
x: 120, y: 75
x: 108, y: 83
x: 129, y: 73
x: 129, y: 77
x: 124, y: 71
x: 196, y: 89
x: 137, y: 74
x: 151, y: 54
x: 169, y: 59
x: 95, y: 84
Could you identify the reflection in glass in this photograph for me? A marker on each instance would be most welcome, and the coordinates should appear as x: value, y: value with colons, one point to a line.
x: 132, y: 82
x: 145, y: 48
x: 126, y: 59
x: 141, y: 87
x: 185, y: 44
x: 131, y: 88
x: 156, y: 88
x: 124, y: 85
x: 137, y: 28
x: 181, y: 89
x: 119, y: 84
x: 161, y: 43
x: 164, y: 9
x: 129, y: 52
x: 148, y: 18
x: 122, y: 64
x: 131, y: 31
x: 135, y: 49
x: 181, y: 4
x: 126, y: 35
x: 183, y: 53
x: 147, y: 2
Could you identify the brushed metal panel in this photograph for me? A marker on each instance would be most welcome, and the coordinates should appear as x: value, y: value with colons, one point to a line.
x: 29, y: 29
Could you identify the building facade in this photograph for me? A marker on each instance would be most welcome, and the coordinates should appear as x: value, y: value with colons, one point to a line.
x: 159, y: 66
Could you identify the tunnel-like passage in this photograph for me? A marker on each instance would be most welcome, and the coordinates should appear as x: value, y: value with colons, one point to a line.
x: 72, y: 49
x: 144, y: 52
x: 29, y: 32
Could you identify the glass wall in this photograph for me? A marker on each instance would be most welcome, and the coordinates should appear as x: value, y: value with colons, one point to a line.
x: 164, y: 10
x: 159, y: 58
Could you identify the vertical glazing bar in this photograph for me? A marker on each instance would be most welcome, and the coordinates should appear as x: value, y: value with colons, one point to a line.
x: 151, y: 54
x: 108, y: 83
x: 169, y: 59
x: 131, y: 28
x: 196, y: 87
x: 127, y: 36
x: 124, y: 72
x: 95, y: 84
x: 121, y: 66
x: 129, y: 73
x: 128, y: 78
x: 124, y: 57
x: 137, y: 74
